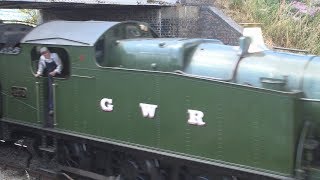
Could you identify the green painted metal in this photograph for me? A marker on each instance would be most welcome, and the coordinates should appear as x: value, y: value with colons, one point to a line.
x: 237, y: 130
x: 246, y: 127
x: 15, y: 71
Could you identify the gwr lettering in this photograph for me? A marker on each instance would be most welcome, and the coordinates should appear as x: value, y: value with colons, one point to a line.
x: 106, y: 104
x: 195, y: 117
x: 149, y: 111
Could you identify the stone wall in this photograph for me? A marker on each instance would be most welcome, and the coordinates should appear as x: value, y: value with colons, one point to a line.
x: 216, y: 25
x: 184, y: 20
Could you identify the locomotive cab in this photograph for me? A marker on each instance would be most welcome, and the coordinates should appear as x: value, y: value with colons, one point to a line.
x: 82, y: 46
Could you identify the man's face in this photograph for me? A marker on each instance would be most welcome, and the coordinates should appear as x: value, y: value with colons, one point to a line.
x: 46, y: 54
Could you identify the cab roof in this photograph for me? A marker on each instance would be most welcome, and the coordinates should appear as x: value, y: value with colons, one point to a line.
x: 74, y: 33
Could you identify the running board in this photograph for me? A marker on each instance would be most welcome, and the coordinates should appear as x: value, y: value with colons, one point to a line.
x: 48, y: 149
x: 84, y: 173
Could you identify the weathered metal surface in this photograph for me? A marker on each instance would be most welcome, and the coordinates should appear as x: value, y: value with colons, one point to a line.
x: 73, y: 33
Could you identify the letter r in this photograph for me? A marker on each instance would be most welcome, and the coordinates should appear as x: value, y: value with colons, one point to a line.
x: 195, y: 117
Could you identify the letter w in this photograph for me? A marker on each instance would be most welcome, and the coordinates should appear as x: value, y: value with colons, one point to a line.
x: 148, y: 110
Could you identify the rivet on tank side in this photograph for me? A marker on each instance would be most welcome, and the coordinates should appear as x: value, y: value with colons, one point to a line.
x: 154, y: 66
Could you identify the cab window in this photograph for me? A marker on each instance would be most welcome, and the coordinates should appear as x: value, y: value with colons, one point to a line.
x: 138, y: 31
x: 62, y: 53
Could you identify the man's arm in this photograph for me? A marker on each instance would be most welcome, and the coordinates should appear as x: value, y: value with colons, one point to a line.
x: 40, y: 68
x: 57, y: 60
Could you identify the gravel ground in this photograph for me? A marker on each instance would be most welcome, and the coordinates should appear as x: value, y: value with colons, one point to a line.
x: 10, y: 174
x: 10, y: 154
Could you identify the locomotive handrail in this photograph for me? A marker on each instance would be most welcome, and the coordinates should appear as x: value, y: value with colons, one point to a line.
x: 54, y: 85
x: 290, y: 49
x: 299, y: 156
x: 310, y: 100
x: 41, y: 39
x: 80, y: 76
x: 38, y: 101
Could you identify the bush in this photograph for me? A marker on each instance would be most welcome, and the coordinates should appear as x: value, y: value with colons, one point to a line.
x: 289, y: 24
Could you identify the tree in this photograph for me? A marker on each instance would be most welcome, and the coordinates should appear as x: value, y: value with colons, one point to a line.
x: 31, y: 15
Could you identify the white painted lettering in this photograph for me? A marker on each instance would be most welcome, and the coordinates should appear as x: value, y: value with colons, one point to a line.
x: 106, y: 104
x: 148, y: 110
x: 195, y: 117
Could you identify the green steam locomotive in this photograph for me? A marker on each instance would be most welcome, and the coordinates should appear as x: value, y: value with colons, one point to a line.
x: 135, y: 106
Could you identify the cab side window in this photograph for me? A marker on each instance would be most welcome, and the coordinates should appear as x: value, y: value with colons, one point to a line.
x: 138, y: 31
x: 133, y: 32
x: 104, y: 47
x: 63, y: 54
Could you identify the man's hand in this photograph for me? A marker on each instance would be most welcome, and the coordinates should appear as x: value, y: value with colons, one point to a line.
x: 53, y: 73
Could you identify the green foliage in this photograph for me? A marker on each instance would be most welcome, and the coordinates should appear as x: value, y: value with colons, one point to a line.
x: 235, y: 3
x: 281, y: 25
x: 32, y: 15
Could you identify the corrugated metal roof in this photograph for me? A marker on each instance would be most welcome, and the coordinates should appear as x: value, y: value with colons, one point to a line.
x: 74, y: 33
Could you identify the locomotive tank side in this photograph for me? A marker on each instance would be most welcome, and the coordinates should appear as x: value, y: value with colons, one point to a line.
x: 137, y: 105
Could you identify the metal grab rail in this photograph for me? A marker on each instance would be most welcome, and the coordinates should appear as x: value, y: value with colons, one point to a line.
x: 38, y: 101
x: 80, y: 76
x: 54, y: 86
